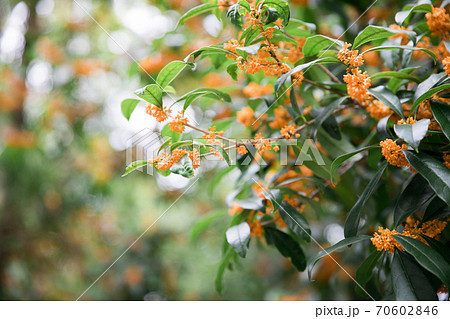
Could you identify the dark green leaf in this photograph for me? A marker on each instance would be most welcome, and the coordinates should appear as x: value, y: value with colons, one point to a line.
x: 427, y: 257
x: 287, y: 246
x: 295, y: 221
x: 387, y: 98
x: 128, y: 107
x: 441, y: 112
x: 238, y: 237
x: 412, y: 133
x: 281, y: 7
x: 437, y: 175
x: 201, y: 225
x: 191, y: 96
x: 234, y: 15
x: 365, y: 271
x: 428, y: 94
x: 325, y: 114
x: 341, y: 159
x: 436, y: 209
x: 342, y: 244
x: 408, y: 279
x: 353, y: 217
x: 415, y: 194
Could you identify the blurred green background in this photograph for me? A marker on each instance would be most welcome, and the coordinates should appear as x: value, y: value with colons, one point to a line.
x: 65, y: 212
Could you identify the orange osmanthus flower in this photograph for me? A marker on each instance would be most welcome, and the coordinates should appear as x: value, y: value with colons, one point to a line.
x: 256, y: 228
x: 166, y: 161
x: 161, y: 114
x: 261, y: 144
x: 288, y: 131
x: 350, y: 57
x: 446, y: 63
x: 246, y: 116
x: 178, y: 123
x: 194, y: 155
x: 447, y: 160
x: 393, y: 153
x: 242, y: 150
x: 439, y: 23
x: 357, y: 85
x: 378, y: 110
x: 255, y: 90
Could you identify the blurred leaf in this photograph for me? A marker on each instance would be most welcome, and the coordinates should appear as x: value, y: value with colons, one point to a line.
x: 196, y: 11
x: 203, y: 92
x: 287, y: 246
x: 223, y: 265
x: 170, y: 72
x: 128, y: 107
x: 343, y: 243
x: 238, y: 237
x: 441, y: 112
x: 436, y: 209
x: 427, y: 257
x: 232, y: 70
x: 412, y: 133
x: 403, y: 16
x: 408, y: 279
x: 415, y: 194
x: 437, y: 175
x: 365, y: 271
x: 352, y: 221
x: 372, y: 33
x: 201, y: 225
x: 341, y: 159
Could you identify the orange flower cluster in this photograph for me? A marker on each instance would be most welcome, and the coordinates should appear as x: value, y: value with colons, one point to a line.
x: 279, y: 221
x: 357, y: 85
x: 161, y: 114
x: 439, y: 23
x: 235, y: 209
x: 393, y: 153
x: 297, y: 78
x: 246, y: 116
x: 225, y: 4
x: 255, y: 90
x: 378, y: 110
x: 350, y: 57
x: 242, y: 150
x: 211, y: 138
x: 288, y: 131
x: 256, y: 228
x: 409, y: 120
x: 281, y: 119
x: 383, y: 239
x: 261, y: 144
x: 194, y: 155
x: 447, y: 160
x: 295, y: 52
x: 446, y: 63
x: 166, y: 161
x: 178, y: 123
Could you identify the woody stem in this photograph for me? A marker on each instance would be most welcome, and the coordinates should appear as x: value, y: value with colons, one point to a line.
x: 331, y: 75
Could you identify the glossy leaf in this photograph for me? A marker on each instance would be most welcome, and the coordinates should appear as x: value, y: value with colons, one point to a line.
x: 436, y: 209
x: 238, y: 237
x: 342, y: 244
x: 403, y: 16
x: 232, y: 70
x: 287, y: 246
x: 429, y: 94
x: 402, y: 47
x: 281, y: 7
x: 234, y: 15
x: 388, y: 98
x: 196, y: 11
x: 295, y: 221
x: 365, y: 271
x: 353, y: 217
x: 372, y: 33
x: 151, y: 93
x: 437, y: 175
x: 427, y: 257
x: 441, y: 112
x: 412, y: 133
x: 317, y: 43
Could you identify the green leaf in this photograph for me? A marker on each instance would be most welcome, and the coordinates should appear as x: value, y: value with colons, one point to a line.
x: 295, y: 221
x: 275, y: 196
x: 222, y: 152
x: 415, y: 194
x: 388, y: 98
x: 408, y: 279
x: 325, y: 114
x: 296, y: 28
x: 429, y: 94
x: 251, y: 49
x: 436, y: 209
x: 395, y: 74
x: 317, y: 43
x: 234, y: 15
x: 238, y: 237
x: 427, y: 84
x: 427, y: 257
x: 437, y: 175
x: 183, y: 167
x: 402, y: 47
x: 365, y: 271
x: 353, y: 217
x: 196, y: 11
x: 403, y: 16
x: 191, y: 96
x: 128, y: 107
x: 167, y: 132
x: 201, y: 225
x: 341, y: 159
x: 372, y: 33
x: 441, y: 112
x: 179, y: 144
x: 151, y: 93
x: 223, y: 265
x: 165, y: 144
x: 232, y: 70
x: 245, y: 4
x: 287, y: 246
x: 412, y: 133
x: 134, y: 166
x: 281, y: 7
x: 342, y: 244
x: 170, y: 72
x: 209, y: 50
